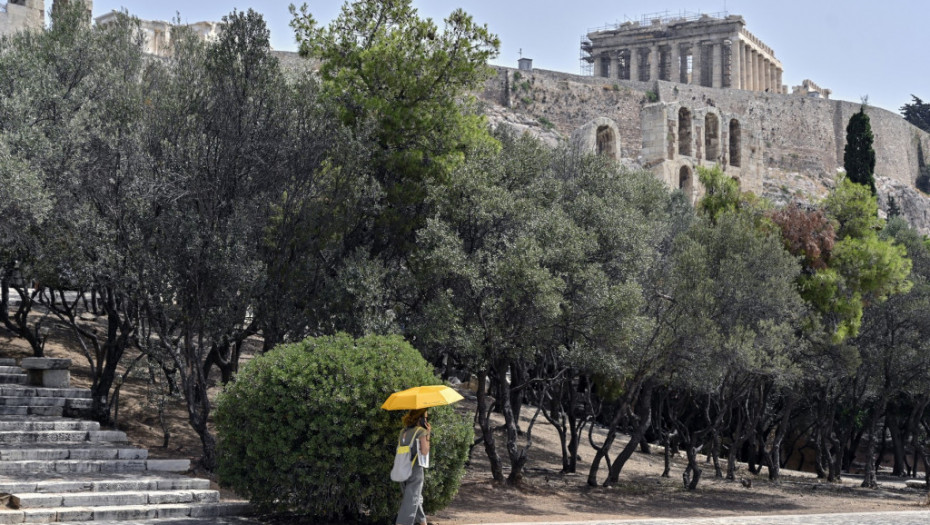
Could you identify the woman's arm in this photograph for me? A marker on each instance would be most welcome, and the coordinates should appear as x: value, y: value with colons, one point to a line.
x: 424, y: 441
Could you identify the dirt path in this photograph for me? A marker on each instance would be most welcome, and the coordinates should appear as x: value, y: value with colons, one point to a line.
x: 547, y: 495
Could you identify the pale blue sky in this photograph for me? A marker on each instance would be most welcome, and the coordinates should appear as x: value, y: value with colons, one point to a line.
x: 853, y: 47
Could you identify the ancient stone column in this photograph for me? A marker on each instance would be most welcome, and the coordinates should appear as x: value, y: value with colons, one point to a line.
x: 764, y: 73
x: 634, y: 64
x: 778, y: 79
x: 717, y: 69
x: 757, y: 70
x: 696, y: 63
x: 773, y: 79
x: 744, y: 67
x: 615, y: 65
x: 750, y: 77
x: 675, y: 59
x: 683, y: 63
x: 598, y: 66
x: 736, y: 69
x: 654, y: 62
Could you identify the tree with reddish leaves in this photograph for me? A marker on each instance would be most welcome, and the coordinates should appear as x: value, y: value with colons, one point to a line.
x: 808, y: 234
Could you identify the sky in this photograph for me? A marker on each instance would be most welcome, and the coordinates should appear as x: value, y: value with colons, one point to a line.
x: 856, y: 48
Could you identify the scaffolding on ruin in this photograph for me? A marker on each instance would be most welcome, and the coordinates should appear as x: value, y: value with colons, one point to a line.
x: 585, y: 60
x: 664, y: 17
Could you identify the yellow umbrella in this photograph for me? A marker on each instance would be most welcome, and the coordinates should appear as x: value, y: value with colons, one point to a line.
x: 421, y: 397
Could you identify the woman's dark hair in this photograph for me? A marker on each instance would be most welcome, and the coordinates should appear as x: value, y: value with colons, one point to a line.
x: 412, y: 418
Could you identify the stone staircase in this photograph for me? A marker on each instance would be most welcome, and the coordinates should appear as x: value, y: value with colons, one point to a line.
x: 58, y: 469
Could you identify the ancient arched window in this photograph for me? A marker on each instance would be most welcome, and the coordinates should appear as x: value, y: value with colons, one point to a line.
x: 712, y: 137
x: 684, y: 132
x: 686, y: 182
x: 606, y: 142
x: 735, y: 143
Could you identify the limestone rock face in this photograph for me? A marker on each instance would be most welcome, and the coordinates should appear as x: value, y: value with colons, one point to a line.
x: 913, y: 205
x: 519, y: 124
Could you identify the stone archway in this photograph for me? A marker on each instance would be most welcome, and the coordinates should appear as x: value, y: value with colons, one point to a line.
x: 606, y: 142
x: 684, y: 132
x: 712, y: 137
x: 735, y: 143
x: 600, y: 136
x: 686, y: 182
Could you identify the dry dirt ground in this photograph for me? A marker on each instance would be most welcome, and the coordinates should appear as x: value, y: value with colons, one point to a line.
x: 546, y: 494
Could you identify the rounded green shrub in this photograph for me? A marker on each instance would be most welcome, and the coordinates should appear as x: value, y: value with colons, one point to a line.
x: 301, y: 430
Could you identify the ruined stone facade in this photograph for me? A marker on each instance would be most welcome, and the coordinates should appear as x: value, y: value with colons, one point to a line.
x: 779, y: 146
x: 678, y: 137
x: 18, y: 15
x: 21, y: 15
x: 702, y: 50
x: 809, y: 89
x: 158, y: 32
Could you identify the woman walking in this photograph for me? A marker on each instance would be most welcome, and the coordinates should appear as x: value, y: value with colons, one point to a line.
x: 416, y: 435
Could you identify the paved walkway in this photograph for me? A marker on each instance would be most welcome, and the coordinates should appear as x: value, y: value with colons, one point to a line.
x: 921, y: 517
x: 878, y: 518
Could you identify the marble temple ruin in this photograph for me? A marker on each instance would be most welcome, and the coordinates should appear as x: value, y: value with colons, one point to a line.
x: 714, y: 51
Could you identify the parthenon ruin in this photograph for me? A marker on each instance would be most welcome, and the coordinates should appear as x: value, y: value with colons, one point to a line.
x: 706, y: 50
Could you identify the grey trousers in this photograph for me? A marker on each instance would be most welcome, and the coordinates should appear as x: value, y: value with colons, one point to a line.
x: 411, y: 506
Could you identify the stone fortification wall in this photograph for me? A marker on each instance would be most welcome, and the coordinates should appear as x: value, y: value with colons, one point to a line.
x: 798, y: 134
x: 559, y: 102
x: 794, y: 144
x: 25, y: 14
x: 807, y: 135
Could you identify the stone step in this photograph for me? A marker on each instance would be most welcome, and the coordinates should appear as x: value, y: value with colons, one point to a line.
x: 24, y: 424
x: 61, y: 453
x: 33, y: 411
x: 7, y: 361
x: 19, y: 437
x: 13, y: 379
x: 80, y: 403
x: 90, y: 466
x: 112, y: 499
x: 103, y: 483
x: 11, y: 369
x: 32, y: 401
x: 124, y: 513
x: 38, y: 391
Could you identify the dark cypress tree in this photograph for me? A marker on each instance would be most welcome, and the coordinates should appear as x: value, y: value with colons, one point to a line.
x: 917, y: 113
x: 859, y: 157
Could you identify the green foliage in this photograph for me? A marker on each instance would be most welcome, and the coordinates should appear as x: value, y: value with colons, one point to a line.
x: 875, y: 268
x: 841, y: 308
x: 326, y: 447
x: 737, y: 284
x: 652, y: 96
x: 546, y: 123
x: 859, y: 156
x: 917, y: 113
x: 721, y: 192
x: 854, y: 208
x: 24, y: 203
x: 409, y: 82
x: 858, y: 269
